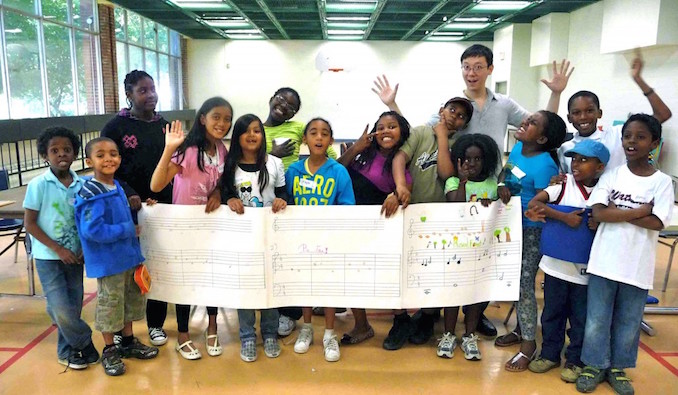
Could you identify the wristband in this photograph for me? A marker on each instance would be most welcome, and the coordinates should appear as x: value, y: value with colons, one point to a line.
x: 648, y: 93
x: 501, y: 184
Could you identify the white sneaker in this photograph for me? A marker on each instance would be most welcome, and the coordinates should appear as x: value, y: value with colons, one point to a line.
x: 331, y: 346
x: 304, y: 340
x: 286, y: 325
x: 158, y: 336
x: 446, y: 345
x: 469, y: 344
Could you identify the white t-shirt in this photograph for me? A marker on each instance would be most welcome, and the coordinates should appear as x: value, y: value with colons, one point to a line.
x: 573, y: 196
x: 611, y: 138
x: 247, y: 184
x: 621, y: 251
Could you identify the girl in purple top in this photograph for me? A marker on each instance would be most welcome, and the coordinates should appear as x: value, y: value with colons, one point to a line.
x: 195, y: 163
x: 369, y: 162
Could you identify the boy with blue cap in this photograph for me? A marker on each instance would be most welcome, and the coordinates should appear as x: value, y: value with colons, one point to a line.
x: 565, y: 282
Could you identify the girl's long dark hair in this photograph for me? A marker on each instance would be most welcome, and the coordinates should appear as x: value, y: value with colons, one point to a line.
x: 235, y: 154
x: 366, y: 157
x: 555, y: 131
x: 198, y: 135
x: 488, y: 147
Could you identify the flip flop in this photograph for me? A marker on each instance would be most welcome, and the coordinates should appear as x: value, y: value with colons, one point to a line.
x: 508, y: 339
x: 350, y: 338
x: 513, y: 361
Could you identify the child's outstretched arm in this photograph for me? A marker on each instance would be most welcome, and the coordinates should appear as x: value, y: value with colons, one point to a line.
x: 31, y: 223
x: 558, y: 83
x: 360, y: 145
x: 538, y: 209
x: 445, y: 166
x: 386, y: 93
x: 166, y: 170
x: 398, y: 170
x: 659, y: 109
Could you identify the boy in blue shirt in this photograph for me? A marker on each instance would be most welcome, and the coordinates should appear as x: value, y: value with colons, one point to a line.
x: 49, y: 219
x: 112, y: 253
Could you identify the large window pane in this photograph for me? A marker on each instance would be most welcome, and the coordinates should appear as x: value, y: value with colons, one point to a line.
x: 163, y: 39
x: 163, y: 84
x: 59, y: 70
x: 175, y: 82
x: 136, y: 58
x: 152, y: 64
x: 120, y: 24
x: 86, y: 56
x: 149, y: 34
x: 23, y: 64
x: 133, y: 28
x: 55, y: 10
x: 23, y: 5
x: 83, y: 14
x: 175, y: 43
x: 121, y: 55
x: 4, y: 109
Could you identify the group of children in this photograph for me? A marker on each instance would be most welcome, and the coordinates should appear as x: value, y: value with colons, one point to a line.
x: 140, y: 154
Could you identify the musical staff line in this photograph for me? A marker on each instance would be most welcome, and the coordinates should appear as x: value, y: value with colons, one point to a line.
x: 339, y: 224
x: 188, y: 224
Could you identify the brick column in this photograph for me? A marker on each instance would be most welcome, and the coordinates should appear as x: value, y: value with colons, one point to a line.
x: 109, y: 65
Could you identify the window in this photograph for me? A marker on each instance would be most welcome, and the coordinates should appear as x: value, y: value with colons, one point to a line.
x: 142, y: 44
x: 52, y: 64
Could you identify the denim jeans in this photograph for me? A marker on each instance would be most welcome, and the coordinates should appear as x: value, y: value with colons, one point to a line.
x: 269, y: 323
x: 563, y: 301
x: 62, y: 285
x: 613, y: 318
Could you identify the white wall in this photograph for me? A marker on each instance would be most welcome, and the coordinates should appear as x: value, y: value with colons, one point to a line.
x: 247, y: 73
x: 608, y: 76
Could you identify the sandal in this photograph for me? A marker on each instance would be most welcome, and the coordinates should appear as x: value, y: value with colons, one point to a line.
x: 191, y: 355
x: 355, y: 338
x: 508, y: 339
x: 511, y: 364
x: 216, y: 349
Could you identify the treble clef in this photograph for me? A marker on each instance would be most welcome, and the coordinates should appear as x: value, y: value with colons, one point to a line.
x: 275, y: 224
x: 410, y: 232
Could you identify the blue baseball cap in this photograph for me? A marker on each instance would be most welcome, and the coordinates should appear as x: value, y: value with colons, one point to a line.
x: 592, y: 149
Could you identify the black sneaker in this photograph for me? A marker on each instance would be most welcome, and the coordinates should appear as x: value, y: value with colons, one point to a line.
x: 74, y: 361
x: 90, y: 354
x: 110, y: 360
x: 138, y: 350
x: 486, y: 327
x: 424, y: 329
x: 399, y: 333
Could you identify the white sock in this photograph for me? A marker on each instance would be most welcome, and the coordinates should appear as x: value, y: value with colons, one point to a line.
x: 307, y: 325
x: 328, y: 333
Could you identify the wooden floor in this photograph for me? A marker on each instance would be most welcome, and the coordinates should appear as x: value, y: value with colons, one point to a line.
x: 28, y: 357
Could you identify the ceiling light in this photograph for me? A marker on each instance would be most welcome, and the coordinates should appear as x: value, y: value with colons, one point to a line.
x: 472, y: 19
x: 245, y: 36
x: 448, y: 33
x: 444, y: 19
x: 465, y: 26
x: 242, y: 31
x: 348, y: 18
x: 202, y: 4
x: 344, y: 37
x: 351, y: 7
x: 222, y: 23
x: 486, y: 5
x: 346, y: 25
x: 343, y: 31
x: 444, y: 38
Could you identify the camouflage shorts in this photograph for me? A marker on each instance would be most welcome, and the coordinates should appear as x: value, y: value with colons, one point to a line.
x: 119, y: 300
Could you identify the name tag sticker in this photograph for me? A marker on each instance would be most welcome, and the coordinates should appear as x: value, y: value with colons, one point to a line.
x: 517, y: 172
x: 306, y: 183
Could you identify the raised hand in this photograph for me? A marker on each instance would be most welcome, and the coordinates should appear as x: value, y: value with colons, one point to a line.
x: 383, y: 89
x: 637, y: 66
x: 558, y: 81
x: 462, y: 170
x: 365, y: 140
x: 174, y: 135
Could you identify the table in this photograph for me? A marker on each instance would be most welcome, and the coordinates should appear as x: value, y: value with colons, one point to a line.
x: 15, y: 210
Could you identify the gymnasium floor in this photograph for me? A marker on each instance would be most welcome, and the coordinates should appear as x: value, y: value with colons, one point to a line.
x: 28, y: 356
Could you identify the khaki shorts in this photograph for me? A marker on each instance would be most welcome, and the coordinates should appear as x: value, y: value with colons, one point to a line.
x: 119, y: 300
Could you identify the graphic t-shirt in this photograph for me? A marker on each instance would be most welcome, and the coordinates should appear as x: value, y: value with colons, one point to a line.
x: 475, y: 190
x: 247, y: 184
x: 192, y: 186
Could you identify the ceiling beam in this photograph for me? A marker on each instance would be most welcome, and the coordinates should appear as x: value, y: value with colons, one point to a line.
x: 453, y: 17
x: 373, y: 19
x: 424, y: 19
x: 242, y: 14
x: 323, y: 17
x: 503, y: 19
x: 271, y: 16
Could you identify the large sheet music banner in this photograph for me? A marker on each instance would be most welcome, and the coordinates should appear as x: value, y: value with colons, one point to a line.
x: 430, y: 255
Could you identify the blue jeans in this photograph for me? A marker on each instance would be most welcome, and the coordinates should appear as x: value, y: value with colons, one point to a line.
x: 269, y: 324
x: 563, y: 301
x: 612, y: 324
x: 62, y: 285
